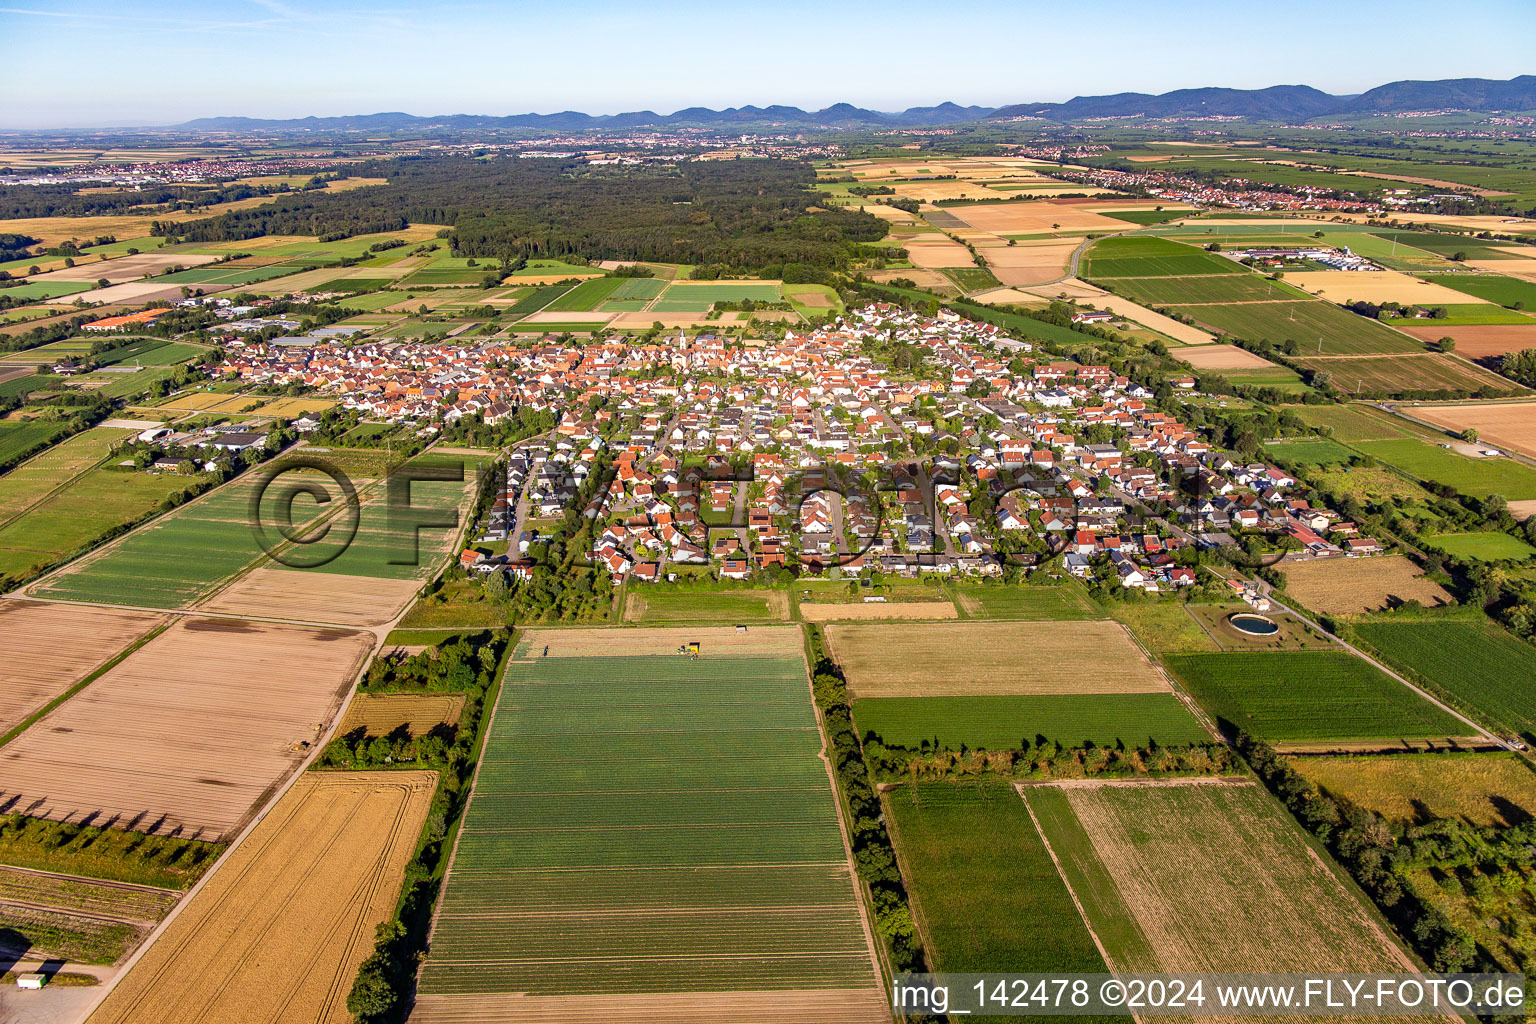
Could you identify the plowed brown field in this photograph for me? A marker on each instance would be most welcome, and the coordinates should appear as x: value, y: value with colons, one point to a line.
x: 314, y: 597
x: 50, y: 647
x: 188, y: 734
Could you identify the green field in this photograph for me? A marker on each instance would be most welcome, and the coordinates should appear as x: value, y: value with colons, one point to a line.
x: 971, y: 279
x: 1029, y: 602
x: 586, y: 296
x: 1352, y: 423
x: 1444, y: 244
x: 54, y: 467
x: 663, y: 604
x: 1145, y: 217
x: 1317, y: 451
x: 79, y: 515
x: 975, y: 868
x: 1161, y: 291
x: 175, y: 560
x: 698, y: 297
x: 151, y: 352
x: 1148, y: 256
x: 1166, y: 876
x: 1484, y: 547
x: 1304, y: 321
x: 1281, y: 696
x: 1476, y: 476
x: 1464, y: 314
x: 45, y: 289
x: 18, y: 437
x: 233, y: 276
x: 1506, y: 291
x: 1473, y: 661
x: 16, y: 387
x: 1006, y: 723
x: 649, y: 823
x: 633, y: 294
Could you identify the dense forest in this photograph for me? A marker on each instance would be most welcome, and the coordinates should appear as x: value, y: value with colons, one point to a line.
x: 742, y: 214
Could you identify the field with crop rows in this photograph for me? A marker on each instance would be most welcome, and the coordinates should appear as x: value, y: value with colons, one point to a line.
x: 1280, y: 696
x: 279, y: 932
x: 1316, y: 326
x: 1148, y: 256
x: 650, y: 823
x: 1059, y: 603
x: 1474, y: 662
x: 975, y: 867
x: 1167, y: 875
x: 1006, y: 723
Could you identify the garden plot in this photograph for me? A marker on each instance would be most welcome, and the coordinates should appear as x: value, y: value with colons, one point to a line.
x: 188, y: 734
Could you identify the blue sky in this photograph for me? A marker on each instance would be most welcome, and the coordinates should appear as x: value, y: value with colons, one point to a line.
x: 93, y: 62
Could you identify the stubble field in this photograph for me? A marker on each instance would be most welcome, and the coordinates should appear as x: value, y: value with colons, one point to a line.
x: 1351, y: 586
x: 1508, y: 425
x: 992, y: 658
x: 279, y: 931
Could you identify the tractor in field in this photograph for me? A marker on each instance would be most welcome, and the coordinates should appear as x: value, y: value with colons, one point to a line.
x: 691, y: 649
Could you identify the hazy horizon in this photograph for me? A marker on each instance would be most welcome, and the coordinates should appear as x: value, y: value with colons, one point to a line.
x: 140, y: 63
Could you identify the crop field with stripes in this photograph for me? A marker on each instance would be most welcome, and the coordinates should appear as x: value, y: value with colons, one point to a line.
x: 650, y: 823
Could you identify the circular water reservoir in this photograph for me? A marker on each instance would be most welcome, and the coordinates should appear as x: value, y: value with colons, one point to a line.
x: 1254, y: 625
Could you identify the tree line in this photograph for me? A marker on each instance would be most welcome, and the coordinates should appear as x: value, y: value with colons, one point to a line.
x: 745, y: 214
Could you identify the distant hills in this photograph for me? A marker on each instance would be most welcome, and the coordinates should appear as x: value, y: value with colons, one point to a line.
x: 1284, y: 103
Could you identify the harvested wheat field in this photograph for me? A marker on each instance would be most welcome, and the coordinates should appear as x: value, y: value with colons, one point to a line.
x: 51, y: 647
x: 1352, y: 586
x: 1071, y: 288
x: 380, y: 714
x: 934, y: 251
x: 953, y: 659
x: 1484, y: 341
x: 714, y: 641
x: 1509, y: 425
x: 125, y: 268
x: 313, y: 597
x: 933, y: 191
x: 188, y: 734
x: 1167, y: 875
x: 1158, y: 322
x: 888, y: 610
x: 931, y: 279
x: 279, y: 930
x: 1010, y: 297
x: 889, y: 213
x: 1378, y: 286
x: 821, y: 1006
x: 1224, y: 357
x: 134, y: 292
x: 1027, y: 218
